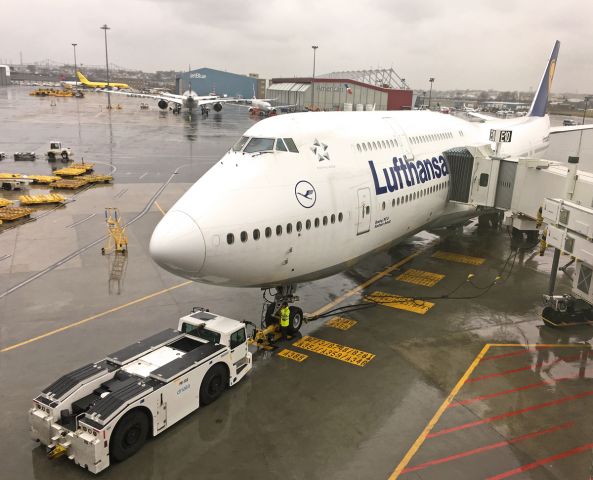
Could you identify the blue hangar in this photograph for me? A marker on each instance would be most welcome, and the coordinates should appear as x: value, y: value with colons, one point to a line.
x: 207, y: 80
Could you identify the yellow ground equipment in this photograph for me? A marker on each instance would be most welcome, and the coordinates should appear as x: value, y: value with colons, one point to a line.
x: 41, y: 199
x: 97, y: 178
x: 43, y: 178
x: 7, y: 176
x: 4, y: 202
x: 69, y: 184
x: 14, y: 213
x: 87, y: 167
x: 70, y: 172
x: 117, y: 241
x: 50, y: 92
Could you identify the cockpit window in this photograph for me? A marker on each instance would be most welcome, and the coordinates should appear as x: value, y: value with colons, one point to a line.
x: 280, y: 145
x: 259, y: 145
x: 291, y: 145
x: 237, y: 147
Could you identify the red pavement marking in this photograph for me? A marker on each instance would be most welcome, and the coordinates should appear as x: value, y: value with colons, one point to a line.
x: 504, y: 355
x: 492, y: 446
x: 512, y: 413
x: 511, y: 390
x: 521, y: 369
x: 531, y: 466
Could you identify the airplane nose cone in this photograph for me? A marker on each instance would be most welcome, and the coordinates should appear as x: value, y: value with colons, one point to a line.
x: 177, y: 245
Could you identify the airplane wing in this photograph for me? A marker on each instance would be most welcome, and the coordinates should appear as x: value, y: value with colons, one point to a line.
x: 571, y: 128
x: 212, y: 101
x: 481, y: 116
x: 167, y: 97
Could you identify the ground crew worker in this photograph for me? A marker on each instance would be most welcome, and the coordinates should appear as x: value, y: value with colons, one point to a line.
x: 284, y: 320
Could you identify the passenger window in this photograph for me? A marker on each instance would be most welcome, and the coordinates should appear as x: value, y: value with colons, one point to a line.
x: 308, y: 224
x: 280, y: 145
x: 368, y: 209
x: 278, y: 230
x: 243, y: 237
x: 383, y: 206
x: 398, y: 200
x: 289, y: 228
x: 256, y: 145
x: 374, y: 146
x: 240, y: 144
x: 369, y: 145
x: 230, y: 239
x: 393, y: 202
x: 324, y: 221
x: 268, y: 232
x: 256, y: 234
x: 358, y: 147
x: 364, y: 147
x: 238, y: 338
x: 316, y: 223
x: 299, y: 226
x: 340, y: 217
x: 333, y: 218
x: 291, y: 145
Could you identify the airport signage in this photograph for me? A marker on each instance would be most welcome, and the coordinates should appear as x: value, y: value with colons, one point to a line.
x: 197, y: 75
x: 502, y: 136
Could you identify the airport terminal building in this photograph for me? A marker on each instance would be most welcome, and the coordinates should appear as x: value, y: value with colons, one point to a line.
x: 343, y: 91
x: 207, y: 80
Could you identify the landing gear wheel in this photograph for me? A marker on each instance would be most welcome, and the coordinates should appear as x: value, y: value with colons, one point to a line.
x: 129, y: 435
x: 296, y: 319
x: 214, y: 383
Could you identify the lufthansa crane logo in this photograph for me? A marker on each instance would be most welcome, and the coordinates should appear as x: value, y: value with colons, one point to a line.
x: 305, y: 194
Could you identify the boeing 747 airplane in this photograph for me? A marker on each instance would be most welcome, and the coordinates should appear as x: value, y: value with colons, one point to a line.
x: 304, y: 196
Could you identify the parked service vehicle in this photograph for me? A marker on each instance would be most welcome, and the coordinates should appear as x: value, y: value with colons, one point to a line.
x: 57, y: 151
x: 569, y: 122
x: 106, y: 410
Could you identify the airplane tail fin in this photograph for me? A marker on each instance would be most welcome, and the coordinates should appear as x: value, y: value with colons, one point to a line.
x: 540, y: 101
x: 82, y: 78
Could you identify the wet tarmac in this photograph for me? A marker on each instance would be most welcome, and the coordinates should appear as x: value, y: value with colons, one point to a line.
x: 475, y: 387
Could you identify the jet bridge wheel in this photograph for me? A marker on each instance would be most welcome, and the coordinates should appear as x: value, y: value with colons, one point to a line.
x: 129, y: 435
x: 213, y: 384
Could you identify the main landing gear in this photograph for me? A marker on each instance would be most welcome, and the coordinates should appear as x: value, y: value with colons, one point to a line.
x: 271, y: 308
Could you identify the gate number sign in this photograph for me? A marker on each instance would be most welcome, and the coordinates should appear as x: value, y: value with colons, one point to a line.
x: 503, y: 136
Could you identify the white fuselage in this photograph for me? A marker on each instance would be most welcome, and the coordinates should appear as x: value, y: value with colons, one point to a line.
x: 360, y: 182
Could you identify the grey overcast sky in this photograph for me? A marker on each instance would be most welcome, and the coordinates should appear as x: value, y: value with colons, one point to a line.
x: 499, y: 44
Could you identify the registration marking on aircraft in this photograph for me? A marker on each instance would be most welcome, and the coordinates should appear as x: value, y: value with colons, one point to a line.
x: 402, y: 303
x: 459, y: 258
x: 335, y: 351
x: 341, y: 323
x: 420, y: 277
x: 292, y: 355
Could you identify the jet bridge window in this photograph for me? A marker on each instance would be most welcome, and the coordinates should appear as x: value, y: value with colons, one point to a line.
x: 256, y: 145
x: 291, y: 145
x: 237, y: 147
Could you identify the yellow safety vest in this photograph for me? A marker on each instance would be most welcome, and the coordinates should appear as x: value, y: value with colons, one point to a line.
x: 284, y: 316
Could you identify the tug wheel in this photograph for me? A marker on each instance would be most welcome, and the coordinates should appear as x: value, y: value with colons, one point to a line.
x: 213, y: 384
x: 129, y: 435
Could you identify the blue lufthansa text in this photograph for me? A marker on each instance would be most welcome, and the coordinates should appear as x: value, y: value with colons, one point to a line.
x: 407, y: 174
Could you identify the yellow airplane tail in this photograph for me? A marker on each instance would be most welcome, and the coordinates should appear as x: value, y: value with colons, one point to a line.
x: 82, y: 78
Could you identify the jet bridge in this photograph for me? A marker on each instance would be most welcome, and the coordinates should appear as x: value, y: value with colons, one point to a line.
x: 532, y: 191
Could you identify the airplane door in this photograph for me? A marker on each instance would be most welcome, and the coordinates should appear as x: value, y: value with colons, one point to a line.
x: 364, y: 210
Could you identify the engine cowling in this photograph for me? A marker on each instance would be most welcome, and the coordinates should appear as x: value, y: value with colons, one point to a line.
x: 251, y: 110
x: 217, y: 107
x: 163, y: 104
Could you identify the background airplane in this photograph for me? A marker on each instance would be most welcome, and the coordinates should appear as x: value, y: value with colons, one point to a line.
x: 87, y: 83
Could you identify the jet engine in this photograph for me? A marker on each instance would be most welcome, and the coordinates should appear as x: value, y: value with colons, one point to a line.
x: 251, y: 110
x: 163, y: 104
x: 217, y: 107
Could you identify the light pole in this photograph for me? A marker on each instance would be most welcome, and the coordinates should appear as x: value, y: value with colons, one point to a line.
x: 105, y: 28
x: 431, y: 80
x: 587, y: 98
x: 314, y: 47
x: 75, y: 77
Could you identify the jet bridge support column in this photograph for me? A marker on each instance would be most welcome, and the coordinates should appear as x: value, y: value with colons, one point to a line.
x: 554, y: 272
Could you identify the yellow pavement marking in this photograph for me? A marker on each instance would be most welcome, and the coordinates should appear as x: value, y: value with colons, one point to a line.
x: 341, y: 323
x: 296, y: 356
x: 433, y: 421
x: 156, y: 204
x: 457, y: 257
x: 334, y: 350
x: 93, y: 317
x: 370, y: 281
x: 397, y: 301
x: 420, y: 277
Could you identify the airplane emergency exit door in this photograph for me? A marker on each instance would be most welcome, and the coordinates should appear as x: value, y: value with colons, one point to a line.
x: 364, y: 210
